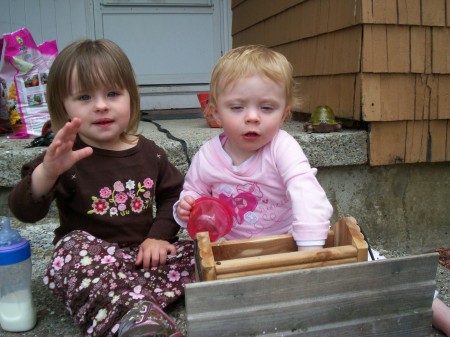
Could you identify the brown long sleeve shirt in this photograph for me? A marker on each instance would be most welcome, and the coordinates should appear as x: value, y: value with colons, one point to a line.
x: 109, y: 195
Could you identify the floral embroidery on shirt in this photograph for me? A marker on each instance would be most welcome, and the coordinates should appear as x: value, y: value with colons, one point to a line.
x: 123, y: 198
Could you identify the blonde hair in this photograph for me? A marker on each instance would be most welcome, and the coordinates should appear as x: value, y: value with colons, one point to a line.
x: 248, y: 60
x: 95, y: 63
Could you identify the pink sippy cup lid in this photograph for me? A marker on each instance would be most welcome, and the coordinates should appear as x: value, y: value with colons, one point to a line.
x: 210, y: 215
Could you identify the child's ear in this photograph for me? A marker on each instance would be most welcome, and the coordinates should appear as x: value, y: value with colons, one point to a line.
x: 215, y: 114
x: 287, y: 113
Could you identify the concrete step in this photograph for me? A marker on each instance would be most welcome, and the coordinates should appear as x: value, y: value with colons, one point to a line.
x: 344, y: 148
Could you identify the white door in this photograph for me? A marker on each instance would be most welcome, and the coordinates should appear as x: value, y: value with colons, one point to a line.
x: 172, y: 44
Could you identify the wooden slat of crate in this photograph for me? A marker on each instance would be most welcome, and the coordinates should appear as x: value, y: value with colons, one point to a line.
x: 205, y: 265
x: 284, y: 262
x: 271, y: 244
x: 386, y: 297
x: 347, y: 232
x: 227, y: 250
x: 283, y: 259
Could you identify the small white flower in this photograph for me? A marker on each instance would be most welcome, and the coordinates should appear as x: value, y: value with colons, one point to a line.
x: 130, y: 184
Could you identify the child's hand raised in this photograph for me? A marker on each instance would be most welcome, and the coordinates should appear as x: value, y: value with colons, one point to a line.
x: 184, y: 207
x: 153, y: 252
x: 58, y: 159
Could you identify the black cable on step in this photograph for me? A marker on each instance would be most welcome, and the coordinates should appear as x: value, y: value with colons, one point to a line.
x: 170, y: 136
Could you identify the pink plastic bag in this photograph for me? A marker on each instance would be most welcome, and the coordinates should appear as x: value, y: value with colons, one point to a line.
x: 24, y: 67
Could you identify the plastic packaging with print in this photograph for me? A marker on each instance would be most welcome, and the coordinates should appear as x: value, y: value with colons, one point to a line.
x: 24, y: 69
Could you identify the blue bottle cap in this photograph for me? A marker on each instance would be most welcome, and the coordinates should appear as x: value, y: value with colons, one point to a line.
x: 13, y: 248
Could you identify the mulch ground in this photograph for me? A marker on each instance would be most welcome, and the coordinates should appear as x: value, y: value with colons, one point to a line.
x: 444, y: 257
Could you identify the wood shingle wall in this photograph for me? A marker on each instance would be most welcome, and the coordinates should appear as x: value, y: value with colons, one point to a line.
x: 386, y: 62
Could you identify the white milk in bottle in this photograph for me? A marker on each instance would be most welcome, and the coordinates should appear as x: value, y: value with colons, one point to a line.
x: 17, y: 311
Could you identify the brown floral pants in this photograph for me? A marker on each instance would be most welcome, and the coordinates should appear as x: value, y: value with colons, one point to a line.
x: 98, y: 281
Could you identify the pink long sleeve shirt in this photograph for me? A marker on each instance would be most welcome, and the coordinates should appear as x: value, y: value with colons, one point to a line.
x: 274, y: 192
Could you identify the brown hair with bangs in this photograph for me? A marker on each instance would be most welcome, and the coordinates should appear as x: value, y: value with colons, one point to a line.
x: 94, y: 63
x: 249, y: 60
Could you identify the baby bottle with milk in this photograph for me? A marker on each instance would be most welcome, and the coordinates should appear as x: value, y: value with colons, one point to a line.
x: 17, y: 312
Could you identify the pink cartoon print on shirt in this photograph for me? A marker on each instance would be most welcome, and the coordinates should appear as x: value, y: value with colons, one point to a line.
x: 244, y: 202
x: 123, y: 198
x: 253, y: 212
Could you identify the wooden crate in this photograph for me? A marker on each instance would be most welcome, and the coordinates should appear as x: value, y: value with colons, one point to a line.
x: 270, y: 254
x: 390, y: 297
